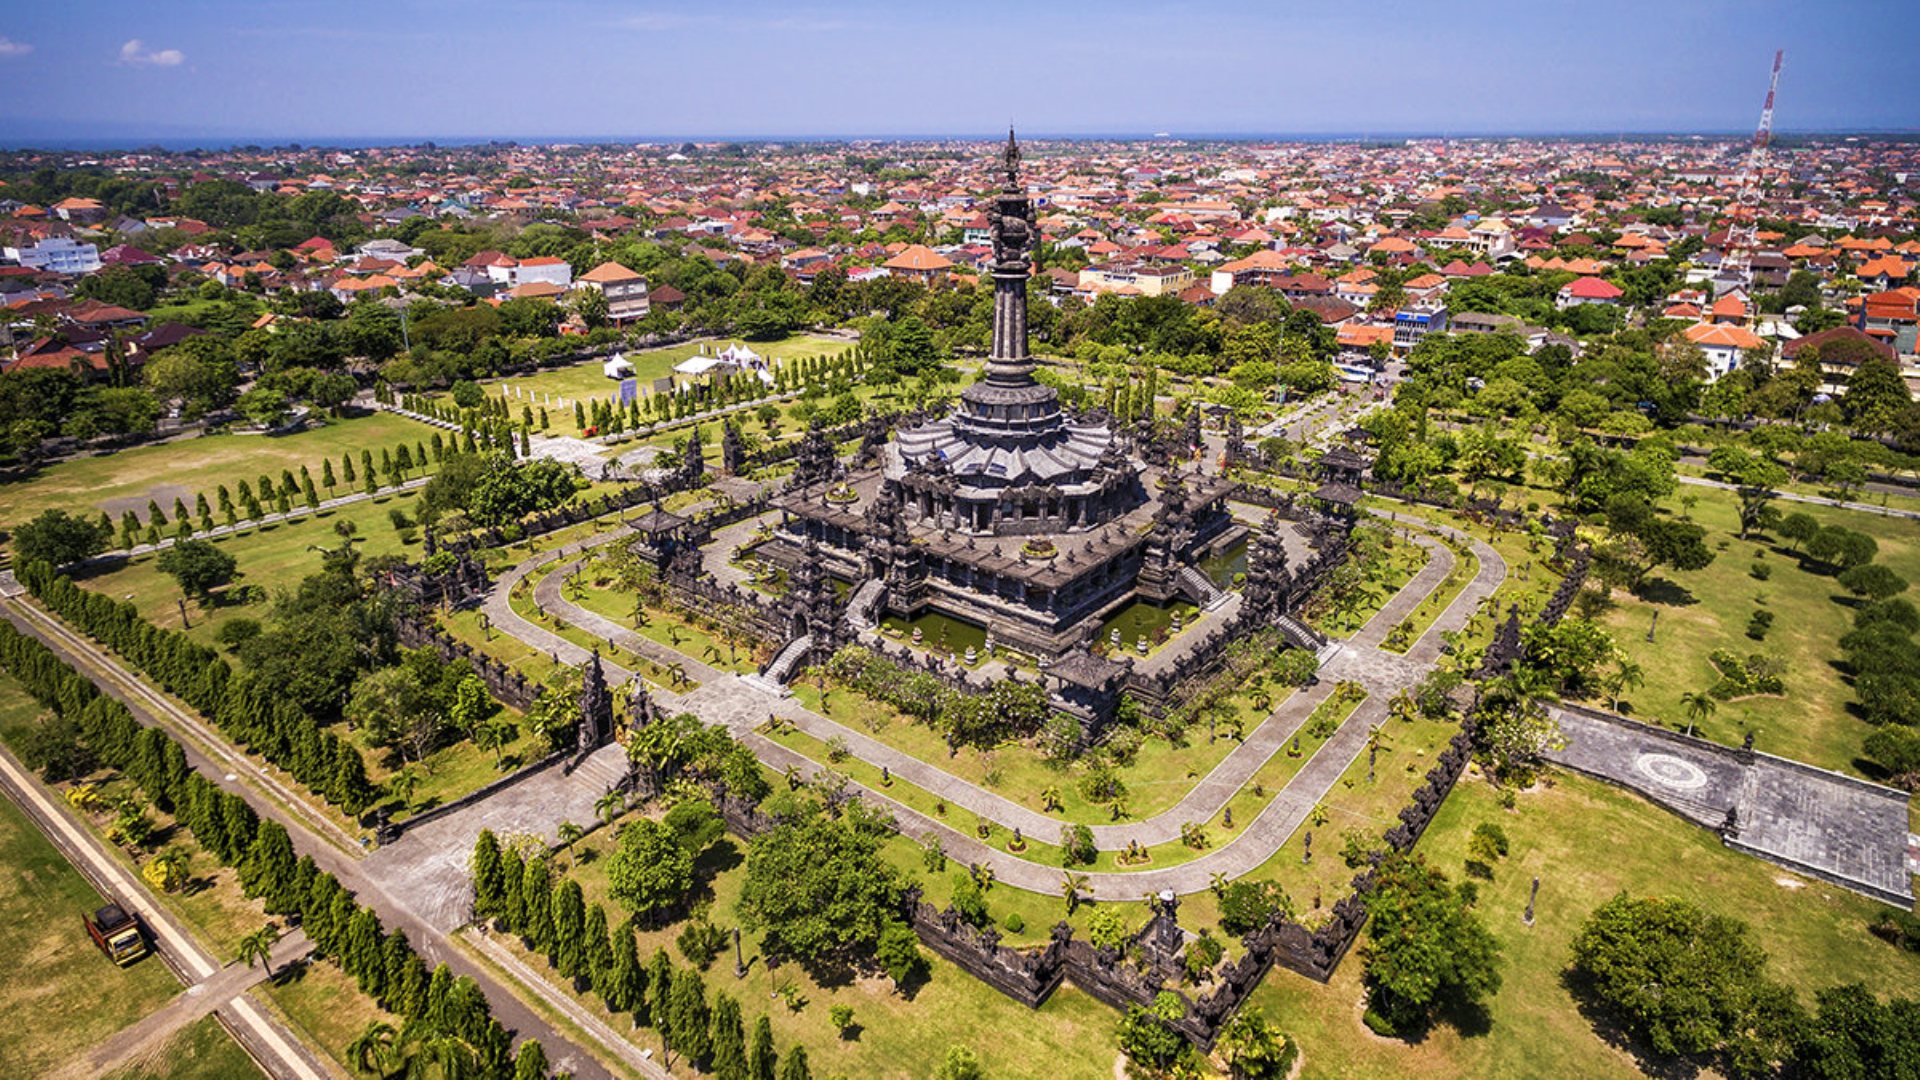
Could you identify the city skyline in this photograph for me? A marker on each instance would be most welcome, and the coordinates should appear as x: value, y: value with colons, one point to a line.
x: 607, y: 71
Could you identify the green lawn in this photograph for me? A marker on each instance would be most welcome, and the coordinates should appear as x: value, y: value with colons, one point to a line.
x: 1703, y: 610
x: 200, y: 1051
x: 127, y: 479
x: 61, y: 994
x: 1160, y: 775
x: 1585, y: 841
x: 586, y: 381
x: 898, y: 1037
x: 274, y: 556
x: 325, y: 1008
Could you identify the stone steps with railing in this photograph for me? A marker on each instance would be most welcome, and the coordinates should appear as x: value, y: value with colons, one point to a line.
x: 863, y: 608
x: 1199, y: 588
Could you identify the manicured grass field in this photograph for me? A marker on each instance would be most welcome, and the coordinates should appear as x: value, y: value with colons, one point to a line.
x: 586, y: 381
x: 1585, y: 841
x: 1160, y: 775
x: 127, y: 479
x: 273, y: 556
x: 1703, y: 610
x: 324, y: 1007
x: 200, y: 1051
x: 898, y: 1036
x: 60, y: 995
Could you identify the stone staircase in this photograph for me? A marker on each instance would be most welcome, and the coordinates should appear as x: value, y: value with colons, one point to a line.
x: 863, y: 609
x: 1302, y: 635
x: 603, y: 770
x: 1199, y: 588
x: 773, y: 679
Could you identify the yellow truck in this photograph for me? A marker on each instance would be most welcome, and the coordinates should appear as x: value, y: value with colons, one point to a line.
x: 118, y: 933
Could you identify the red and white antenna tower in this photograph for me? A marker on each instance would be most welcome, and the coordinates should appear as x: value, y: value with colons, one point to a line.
x: 1743, y: 228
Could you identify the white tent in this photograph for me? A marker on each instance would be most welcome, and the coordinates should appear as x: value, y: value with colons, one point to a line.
x: 616, y: 367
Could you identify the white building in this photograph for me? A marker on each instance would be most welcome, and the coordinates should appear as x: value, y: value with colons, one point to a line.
x: 544, y: 268
x: 59, y: 254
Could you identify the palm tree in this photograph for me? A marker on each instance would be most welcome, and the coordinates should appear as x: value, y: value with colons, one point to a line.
x: 259, y: 946
x: 1070, y: 889
x: 610, y: 806
x: 1217, y: 884
x: 1699, y: 705
x: 1050, y: 798
x: 403, y: 784
x: 376, y: 1050
x: 1625, y: 674
x: 493, y: 735
x: 568, y: 833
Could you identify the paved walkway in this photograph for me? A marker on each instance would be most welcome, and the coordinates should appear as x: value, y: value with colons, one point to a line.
x: 244, y: 524
x: 270, y: 1044
x: 1812, y: 500
x: 216, y: 991
x: 1825, y: 824
x: 426, y: 869
x: 240, y: 776
x: 743, y: 707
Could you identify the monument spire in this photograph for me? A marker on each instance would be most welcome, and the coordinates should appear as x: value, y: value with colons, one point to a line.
x: 1014, y: 236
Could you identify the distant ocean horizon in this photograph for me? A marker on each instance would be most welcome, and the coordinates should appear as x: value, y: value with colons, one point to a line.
x: 175, y: 143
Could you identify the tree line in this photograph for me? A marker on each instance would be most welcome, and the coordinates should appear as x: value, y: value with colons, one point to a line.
x: 445, y: 1016
x: 254, y: 710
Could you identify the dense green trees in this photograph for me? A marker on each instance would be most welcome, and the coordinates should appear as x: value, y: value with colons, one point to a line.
x: 382, y: 963
x: 1426, y: 951
x: 256, y: 713
x: 198, y: 566
x: 1690, y: 983
x: 651, y: 870
x: 58, y: 538
x: 818, y: 886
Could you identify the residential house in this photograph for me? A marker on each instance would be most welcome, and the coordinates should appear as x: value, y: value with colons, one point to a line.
x: 59, y: 254
x: 625, y: 290
x: 1725, y: 345
x: 1840, y: 350
x: 1413, y: 322
x: 544, y: 270
x: 1892, y: 317
x: 1587, y: 290
x: 919, y: 262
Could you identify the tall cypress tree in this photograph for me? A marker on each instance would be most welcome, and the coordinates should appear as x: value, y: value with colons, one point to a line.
x: 531, y: 1062
x: 269, y: 869
x: 599, y: 953
x: 569, y: 927
x: 361, y: 956
x: 688, y: 1020
x: 762, y: 1062
x: 433, y: 1008
x: 795, y: 1067
x: 538, y: 889
x: 513, y: 898
x: 395, y: 952
x: 659, y: 981
x: 627, y: 983
x: 729, y: 1040
x: 488, y: 890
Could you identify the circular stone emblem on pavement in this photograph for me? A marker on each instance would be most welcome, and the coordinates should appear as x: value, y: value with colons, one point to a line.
x: 1669, y: 771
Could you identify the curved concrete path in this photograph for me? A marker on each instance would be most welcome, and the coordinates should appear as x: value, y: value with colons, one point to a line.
x: 742, y: 707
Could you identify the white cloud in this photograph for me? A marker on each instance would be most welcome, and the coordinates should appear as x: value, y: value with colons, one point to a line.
x: 136, y: 52
x: 10, y: 47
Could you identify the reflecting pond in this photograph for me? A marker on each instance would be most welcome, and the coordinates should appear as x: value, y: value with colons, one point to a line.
x: 941, y: 633
x: 1144, y: 618
x: 1223, y: 566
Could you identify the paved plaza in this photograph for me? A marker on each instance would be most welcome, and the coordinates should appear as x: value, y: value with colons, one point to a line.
x: 1820, y: 823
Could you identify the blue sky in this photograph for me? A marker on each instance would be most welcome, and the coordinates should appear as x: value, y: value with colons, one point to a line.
x: 275, y: 70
